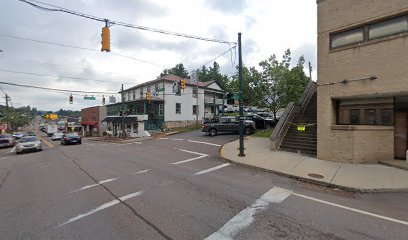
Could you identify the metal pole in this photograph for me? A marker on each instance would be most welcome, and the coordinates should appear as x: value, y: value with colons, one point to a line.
x: 241, y: 107
x: 223, y: 103
x: 123, y: 111
x: 197, y: 108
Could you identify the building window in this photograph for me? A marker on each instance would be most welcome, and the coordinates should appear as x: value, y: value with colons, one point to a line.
x: 195, y: 92
x: 370, y: 116
x: 129, y: 94
x: 156, y: 87
x: 366, y: 112
x: 178, y: 108
x: 387, y: 116
x: 161, y: 109
x: 141, y: 93
x: 195, y: 109
x: 347, y: 38
x: 148, y: 88
x: 354, y: 116
x: 388, y: 27
x: 134, y: 94
x: 370, y: 31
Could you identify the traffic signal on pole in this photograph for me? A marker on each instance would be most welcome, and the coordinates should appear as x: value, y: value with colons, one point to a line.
x: 103, y: 100
x: 105, y: 39
x: 71, y: 99
x: 183, y: 84
x: 148, y: 96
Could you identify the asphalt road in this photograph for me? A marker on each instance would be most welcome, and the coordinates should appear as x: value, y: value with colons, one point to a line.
x: 177, y: 188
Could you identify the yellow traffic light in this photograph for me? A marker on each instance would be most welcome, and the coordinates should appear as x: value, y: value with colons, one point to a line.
x: 182, y: 84
x: 105, y: 39
x: 71, y: 99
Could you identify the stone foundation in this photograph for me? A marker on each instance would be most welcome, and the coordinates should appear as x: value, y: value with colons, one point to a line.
x: 181, y: 124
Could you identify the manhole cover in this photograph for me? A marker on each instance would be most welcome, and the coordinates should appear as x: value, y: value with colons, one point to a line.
x: 315, y: 175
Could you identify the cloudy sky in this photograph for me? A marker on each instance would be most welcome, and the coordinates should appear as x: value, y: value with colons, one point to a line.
x: 268, y: 27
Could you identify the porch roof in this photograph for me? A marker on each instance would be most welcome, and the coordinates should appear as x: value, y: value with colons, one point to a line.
x: 119, y: 119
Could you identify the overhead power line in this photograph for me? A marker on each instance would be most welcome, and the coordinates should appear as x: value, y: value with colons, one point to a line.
x: 58, y: 76
x: 55, y: 89
x: 123, y: 24
x: 78, y: 47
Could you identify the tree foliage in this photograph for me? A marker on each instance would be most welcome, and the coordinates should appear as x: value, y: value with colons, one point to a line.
x: 177, y: 70
x: 213, y: 73
x: 281, y: 84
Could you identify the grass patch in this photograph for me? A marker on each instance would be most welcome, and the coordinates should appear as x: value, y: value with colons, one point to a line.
x: 264, y: 133
x: 231, y: 114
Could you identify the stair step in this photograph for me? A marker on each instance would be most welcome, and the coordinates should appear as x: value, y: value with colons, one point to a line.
x: 300, y: 141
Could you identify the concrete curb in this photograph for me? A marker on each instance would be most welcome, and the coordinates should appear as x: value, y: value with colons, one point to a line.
x: 317, y: 182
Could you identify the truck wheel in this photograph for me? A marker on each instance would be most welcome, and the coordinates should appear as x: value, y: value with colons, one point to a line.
x: 267, y: 126
x: 212, y: 132
x: 247, y: 131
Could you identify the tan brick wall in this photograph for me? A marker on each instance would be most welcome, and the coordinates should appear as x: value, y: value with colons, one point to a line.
x: 385, y: 59
x: 180, y: 124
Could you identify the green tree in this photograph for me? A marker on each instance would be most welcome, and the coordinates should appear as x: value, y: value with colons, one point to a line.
x: 178, y: 70
x: 213, y: 74
x: 252, y: 80
x: 281, y: 84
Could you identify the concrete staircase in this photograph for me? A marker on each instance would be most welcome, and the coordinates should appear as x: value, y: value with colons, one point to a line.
x: 303, y: 142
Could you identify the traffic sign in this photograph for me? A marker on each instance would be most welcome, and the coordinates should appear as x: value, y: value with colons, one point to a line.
x: 89, y: 98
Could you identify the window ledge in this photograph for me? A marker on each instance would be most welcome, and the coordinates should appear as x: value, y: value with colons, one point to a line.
x: 362, y: 127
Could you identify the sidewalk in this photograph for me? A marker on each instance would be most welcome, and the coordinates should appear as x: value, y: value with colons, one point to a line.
x: 356, y: 177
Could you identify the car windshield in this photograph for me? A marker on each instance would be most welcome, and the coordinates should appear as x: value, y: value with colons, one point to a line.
x: 28, y: 139
x: 71, y: 136
x: 57, y: 134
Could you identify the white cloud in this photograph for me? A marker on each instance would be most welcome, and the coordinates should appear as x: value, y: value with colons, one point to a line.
x: 267, y: 27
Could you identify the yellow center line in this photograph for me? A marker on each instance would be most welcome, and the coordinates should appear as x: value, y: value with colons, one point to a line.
x: 50, y: 145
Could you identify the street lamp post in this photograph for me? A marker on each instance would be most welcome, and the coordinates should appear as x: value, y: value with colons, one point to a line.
x: 241, y: 104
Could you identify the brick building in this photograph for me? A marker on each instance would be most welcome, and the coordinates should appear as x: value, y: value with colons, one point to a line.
x: 91, y: 120
x: 362, y: 91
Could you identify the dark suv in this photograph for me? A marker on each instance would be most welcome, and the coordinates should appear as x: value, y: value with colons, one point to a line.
x: 227, y: 124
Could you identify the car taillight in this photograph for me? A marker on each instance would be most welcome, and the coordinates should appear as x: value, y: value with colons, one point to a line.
x: 65, y: 139
x: 202, y: 126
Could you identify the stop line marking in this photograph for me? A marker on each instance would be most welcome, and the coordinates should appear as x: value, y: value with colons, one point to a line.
x: 193, y: 141
x: 212, y: 169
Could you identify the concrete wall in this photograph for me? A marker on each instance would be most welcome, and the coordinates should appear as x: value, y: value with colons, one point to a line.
x: 385, y: 58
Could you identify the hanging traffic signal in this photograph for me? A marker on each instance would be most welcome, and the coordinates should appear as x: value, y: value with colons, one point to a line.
x: 105, y: 39
x: 71, y: 99
x: 183, y: 84
x: 148, y: 96
x: 103, y: 100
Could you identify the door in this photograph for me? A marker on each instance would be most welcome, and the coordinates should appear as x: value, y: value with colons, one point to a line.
x: 400, y: 135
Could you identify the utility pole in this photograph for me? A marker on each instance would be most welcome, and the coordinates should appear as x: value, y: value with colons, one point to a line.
x: 241, y: 97
x: 123, y: 111
x: 197, y: 107
x: 310, y: 71
x: 7, y: 112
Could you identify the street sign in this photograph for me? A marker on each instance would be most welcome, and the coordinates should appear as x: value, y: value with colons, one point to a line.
x: 194, y: 78
x: 112, y: 99
x: 89, y: 98
x: 160, y: 90
x: 235, y: 96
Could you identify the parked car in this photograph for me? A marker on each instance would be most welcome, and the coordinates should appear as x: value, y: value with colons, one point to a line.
x: 71, y: 139
x: 260, y: 122
x: 227, y: 124
x: 29, y: 143
x: 18, y: 135
x: 30, y: 134
x: 6, y: 140
x: 56, y: 136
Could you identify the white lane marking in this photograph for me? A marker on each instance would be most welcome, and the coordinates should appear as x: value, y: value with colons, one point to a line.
x: 143, y: 171
x: 207, y: 143
x: 122, y: 144
x: 187, y: 151
x: 213, y: 169
x: 246, y: 216
x: 13, y: 150
x: 4, y: 158
x: 93, y: 185
x: 177, y: 139
x: 164, y: 138
x: 352, y: 209
x: 103, y: 206
x: 190, y: 159
x: 201, y: 155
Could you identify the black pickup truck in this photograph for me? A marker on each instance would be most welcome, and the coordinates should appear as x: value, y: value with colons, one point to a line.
x: 227, y: 124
